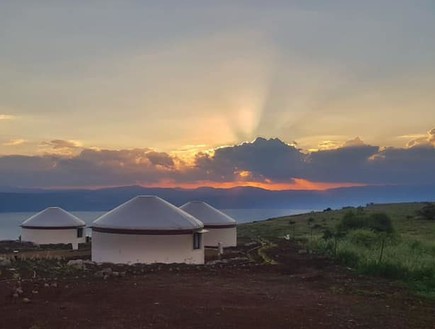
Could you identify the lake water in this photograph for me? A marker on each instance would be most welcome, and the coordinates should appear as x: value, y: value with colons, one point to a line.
x: 10, y: 222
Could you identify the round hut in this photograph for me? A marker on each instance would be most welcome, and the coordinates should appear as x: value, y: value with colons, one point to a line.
x: 147, y: 229
x: 220, y: 227
x: 54, y: 225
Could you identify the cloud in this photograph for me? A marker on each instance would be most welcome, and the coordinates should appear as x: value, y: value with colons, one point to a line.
x: 62, y: 144
x: 408, y: 166
x: 262, y: 158
x: 88, y: 168
x: 160, y: 159
x: 14, y: 142
x: 423, y: 141
x: 346, y: 164
x: 5, y: 117
x: 61, y: 147
x: 356, y: 142
x: 260, y: 162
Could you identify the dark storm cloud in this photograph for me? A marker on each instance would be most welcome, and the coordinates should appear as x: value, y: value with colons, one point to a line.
x: 345, y: 164
x: 160, y: 159
x: 263, y: 160
x: 354, y: 162
x: 271, y: 159
x: 409, y: 166
x: 88, y: 168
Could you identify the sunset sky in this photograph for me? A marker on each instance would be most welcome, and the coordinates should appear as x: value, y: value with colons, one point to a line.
x: 177, y: 93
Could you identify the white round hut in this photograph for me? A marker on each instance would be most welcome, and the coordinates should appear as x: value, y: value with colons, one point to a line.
x: 147, y: 229
x: 54, y: 225
x: 221, y: 227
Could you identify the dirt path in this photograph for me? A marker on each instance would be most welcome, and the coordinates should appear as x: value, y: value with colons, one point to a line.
x: 303, y: 291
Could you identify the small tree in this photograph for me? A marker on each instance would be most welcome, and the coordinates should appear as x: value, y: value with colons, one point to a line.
x: 381, y: 223
x: 292, y: 224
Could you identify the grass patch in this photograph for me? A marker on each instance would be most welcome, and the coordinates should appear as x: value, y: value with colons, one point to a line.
x: 408, y: 253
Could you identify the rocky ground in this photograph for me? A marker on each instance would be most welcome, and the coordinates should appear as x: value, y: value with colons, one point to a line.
x: 254, y: 286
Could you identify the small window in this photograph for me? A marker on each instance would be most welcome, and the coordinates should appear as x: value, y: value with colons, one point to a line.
x: 80, y: 232
x: 197, y: 240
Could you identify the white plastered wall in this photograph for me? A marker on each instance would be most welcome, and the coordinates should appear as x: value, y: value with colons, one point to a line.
x: 41, y: 236
x: 148, y: 249
x: 226, y: 236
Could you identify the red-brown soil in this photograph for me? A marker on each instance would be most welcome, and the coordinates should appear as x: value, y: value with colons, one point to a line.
x: 302, y: 291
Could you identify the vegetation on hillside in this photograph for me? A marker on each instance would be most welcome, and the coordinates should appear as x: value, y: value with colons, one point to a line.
x: 395, y: 241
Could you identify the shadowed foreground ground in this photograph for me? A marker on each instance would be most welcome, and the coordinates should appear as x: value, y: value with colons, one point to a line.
x: 303, y: 291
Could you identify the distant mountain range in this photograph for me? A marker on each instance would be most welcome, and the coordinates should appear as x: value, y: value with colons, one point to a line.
x: 21, y: 200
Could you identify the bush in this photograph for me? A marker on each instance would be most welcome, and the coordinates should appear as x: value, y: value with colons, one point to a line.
x: 364, y: 238
x: 427, y: 212
x: 380, y: 222
x: 352, y: 221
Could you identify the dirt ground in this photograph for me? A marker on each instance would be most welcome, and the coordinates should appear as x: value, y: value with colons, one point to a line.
x: 300, y: 291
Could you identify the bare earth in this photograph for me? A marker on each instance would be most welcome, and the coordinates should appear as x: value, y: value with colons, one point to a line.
x: 302, y: 291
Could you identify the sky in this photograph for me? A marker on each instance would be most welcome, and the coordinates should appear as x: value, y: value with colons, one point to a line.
x: 275, y: 94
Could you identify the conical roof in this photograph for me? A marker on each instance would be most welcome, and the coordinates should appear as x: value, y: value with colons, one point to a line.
x: 207, y: 214
x: 53, y: 217
x: 147, y: 213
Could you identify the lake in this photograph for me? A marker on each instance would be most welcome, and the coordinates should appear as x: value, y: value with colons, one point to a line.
x: 10, y: 229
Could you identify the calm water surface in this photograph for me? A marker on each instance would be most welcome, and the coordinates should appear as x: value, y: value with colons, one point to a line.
x: 10, y: 229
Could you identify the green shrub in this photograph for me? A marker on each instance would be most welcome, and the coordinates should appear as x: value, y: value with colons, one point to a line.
x: 364, y: 238
x: 380, y: 222
x: 352, y: 221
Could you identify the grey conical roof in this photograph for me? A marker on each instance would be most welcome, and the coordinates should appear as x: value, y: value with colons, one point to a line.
x: 53, y: 217
x: 147, y: 212
x: 207, y: 214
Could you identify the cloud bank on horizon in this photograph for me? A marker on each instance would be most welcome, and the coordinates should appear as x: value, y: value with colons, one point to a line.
x: 267, y: 163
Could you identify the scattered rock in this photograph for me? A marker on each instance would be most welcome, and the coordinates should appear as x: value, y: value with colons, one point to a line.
x: 302, y: 251
x: 15, y: 295
x: 89, y: 262
x: 76, y: 263
x: 218, y: 261
x: 19, y: 291
x: 35, y: 292
x: 26, y: 300
x: 5, y: 262
x: 46, y: 285
x: 107, y: 271
x: 99, y: 274
x: 54, y: 284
